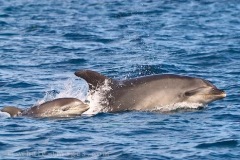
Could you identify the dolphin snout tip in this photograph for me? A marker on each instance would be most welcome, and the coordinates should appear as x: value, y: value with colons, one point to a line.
x: 224, y: 94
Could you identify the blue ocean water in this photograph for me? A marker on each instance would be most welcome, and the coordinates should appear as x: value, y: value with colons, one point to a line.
x: 43, y: 42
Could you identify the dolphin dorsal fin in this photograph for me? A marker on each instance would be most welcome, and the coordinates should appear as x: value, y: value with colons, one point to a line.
x: 94, y: 79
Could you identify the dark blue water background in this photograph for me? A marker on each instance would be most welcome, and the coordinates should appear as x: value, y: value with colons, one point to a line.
x: 43, y: 42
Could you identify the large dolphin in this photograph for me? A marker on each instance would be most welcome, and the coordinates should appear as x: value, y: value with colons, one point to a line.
x: 61, y: 107
x: 152, y: 92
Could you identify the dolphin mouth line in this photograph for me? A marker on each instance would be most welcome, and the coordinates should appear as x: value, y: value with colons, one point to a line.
x: 222, y: 95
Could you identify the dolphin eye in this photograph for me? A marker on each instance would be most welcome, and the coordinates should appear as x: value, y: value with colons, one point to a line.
x: 188, y: 94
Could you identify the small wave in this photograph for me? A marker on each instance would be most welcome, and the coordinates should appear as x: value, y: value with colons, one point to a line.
x: 7, y: 34
x: 2, y: 23
x: 20, y: 85
x: 4, y: 15
x: 223, y: 143
x: 129, y: 14
x: 73, y: 61
x: 38, y: 29
x: 207, y: 59
x: 86, y: 37
x: 63, y: 49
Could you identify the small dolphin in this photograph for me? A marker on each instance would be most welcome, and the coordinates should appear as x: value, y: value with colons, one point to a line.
x: 150, y: 92
x: 61, y: 107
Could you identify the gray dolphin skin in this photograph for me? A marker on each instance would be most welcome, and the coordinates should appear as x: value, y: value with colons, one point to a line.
x: 149, y: 92
x: 58, y: 108
x: 13, y: 111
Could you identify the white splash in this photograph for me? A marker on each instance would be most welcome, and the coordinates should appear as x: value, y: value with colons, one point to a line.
x: 4, y: 115
x: 78, y: 88
x: 71, y: 88
x: 97, y: 98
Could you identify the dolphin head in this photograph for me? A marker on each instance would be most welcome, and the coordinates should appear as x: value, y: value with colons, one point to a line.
x: 13, y: 111
x: 72, y: 110
x: 61, y: 107
x: 203, y: 92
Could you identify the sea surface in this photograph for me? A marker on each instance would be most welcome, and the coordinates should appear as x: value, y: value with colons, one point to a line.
x: 43, y: 42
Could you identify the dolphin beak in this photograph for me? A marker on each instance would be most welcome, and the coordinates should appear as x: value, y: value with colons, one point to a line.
x: 220, y: 93
x: 224, y: 94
